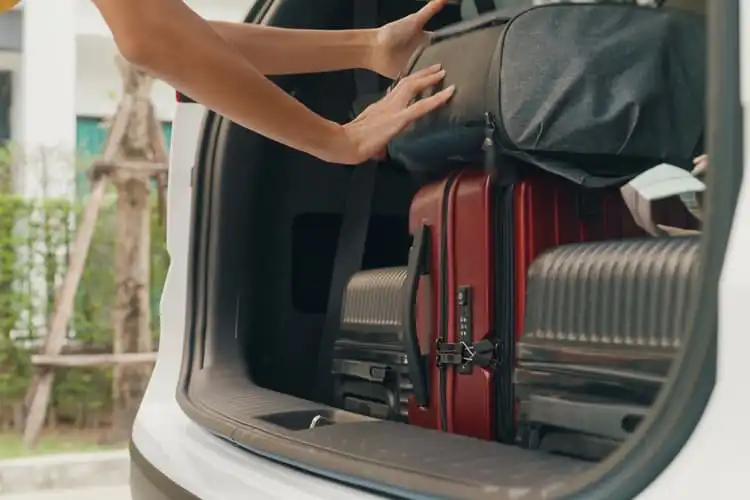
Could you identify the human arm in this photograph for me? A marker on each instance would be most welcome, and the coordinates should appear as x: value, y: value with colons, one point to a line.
x: 167, y: 39
x: 280, y: 51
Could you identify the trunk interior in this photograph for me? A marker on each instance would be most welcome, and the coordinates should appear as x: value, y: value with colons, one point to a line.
x: 266, y: 226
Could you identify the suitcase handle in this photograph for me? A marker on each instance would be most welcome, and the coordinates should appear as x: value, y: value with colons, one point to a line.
x: 417, y: 267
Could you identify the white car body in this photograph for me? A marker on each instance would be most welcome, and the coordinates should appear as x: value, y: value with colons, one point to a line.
x: 194, y: 463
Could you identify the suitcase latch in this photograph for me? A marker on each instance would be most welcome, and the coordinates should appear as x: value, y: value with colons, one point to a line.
x: 464, y: 355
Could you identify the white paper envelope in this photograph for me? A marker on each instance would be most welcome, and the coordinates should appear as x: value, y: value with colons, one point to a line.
x: 678, y: 231
x: 664, y: 181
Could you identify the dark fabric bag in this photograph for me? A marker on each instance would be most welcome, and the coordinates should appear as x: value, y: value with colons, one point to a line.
x: 596, y: 93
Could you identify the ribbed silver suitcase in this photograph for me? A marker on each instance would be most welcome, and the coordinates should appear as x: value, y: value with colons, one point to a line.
x: 603, y: 324
x: 369, y: 362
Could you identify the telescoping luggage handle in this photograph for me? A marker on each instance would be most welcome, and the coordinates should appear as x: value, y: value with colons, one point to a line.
x: 417, y: 267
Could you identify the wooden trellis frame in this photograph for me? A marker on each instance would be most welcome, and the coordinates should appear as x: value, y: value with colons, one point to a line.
x: 134, y: 154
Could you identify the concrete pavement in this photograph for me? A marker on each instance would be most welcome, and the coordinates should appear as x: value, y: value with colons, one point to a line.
x: 62, y: 472
x: 108, y: 493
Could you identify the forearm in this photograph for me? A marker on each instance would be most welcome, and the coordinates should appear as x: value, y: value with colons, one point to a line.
x: 280, y: 51
x: 176, y: 45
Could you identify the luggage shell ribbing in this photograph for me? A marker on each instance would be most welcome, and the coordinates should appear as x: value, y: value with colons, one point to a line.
x: 604, y: 322
x: 369, y: 363
x: 484, y: 238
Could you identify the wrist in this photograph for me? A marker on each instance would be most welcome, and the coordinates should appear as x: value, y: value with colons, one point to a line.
x: 371, y: 48
x: 337, y: 146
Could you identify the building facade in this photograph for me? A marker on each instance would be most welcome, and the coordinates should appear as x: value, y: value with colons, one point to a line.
x: 58, y: 80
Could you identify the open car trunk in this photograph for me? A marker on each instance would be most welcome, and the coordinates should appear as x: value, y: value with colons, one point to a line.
x: 265, y: 227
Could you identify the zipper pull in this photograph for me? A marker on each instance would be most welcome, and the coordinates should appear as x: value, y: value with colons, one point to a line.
x: 488, y: 146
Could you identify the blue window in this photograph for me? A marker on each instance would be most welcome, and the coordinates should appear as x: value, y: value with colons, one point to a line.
x: 90, y: 137
x: 5, y: 102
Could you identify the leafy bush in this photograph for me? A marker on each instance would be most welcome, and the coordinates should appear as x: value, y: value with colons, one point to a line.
x: 36, y: 237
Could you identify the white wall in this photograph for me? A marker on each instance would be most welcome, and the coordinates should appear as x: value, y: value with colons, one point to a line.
x: 98, y: 83
x: 91, y: 23
x: 47, y: 96
x: 89, y: 72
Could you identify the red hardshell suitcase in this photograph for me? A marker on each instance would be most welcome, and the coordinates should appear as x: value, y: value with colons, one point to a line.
x: 478, y: 241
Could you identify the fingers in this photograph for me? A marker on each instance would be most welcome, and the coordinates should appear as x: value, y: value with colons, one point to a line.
x: 406, y: 81
x: 390, y: 115
x: 422, y: 72
x: 399, y: 121
x: 416, y: 85
x: 700, y: 164
x: 424, y: 106
x: 411, y: 86
x: 428, y: 11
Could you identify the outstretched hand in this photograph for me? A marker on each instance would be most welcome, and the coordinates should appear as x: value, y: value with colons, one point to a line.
x: 367, y: 136
x: 396, y: 42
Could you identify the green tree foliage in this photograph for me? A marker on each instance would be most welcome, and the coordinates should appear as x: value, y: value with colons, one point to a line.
x: 36, y: 238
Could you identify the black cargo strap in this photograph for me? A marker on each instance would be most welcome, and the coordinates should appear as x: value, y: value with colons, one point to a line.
x: 482, y: 354
x: 353, y: 234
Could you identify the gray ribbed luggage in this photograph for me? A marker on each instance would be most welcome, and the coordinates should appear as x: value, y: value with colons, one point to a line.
x: 369, y: 361
x: 603, y: 324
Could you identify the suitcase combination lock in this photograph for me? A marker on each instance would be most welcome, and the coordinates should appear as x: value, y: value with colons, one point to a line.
x: 464, y: 354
